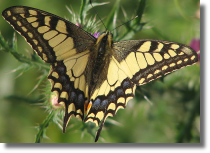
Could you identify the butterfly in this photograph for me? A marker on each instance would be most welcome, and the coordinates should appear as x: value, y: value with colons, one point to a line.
x: 94, y: 77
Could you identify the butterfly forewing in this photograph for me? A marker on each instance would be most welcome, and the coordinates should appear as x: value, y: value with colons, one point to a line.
x: 65, y: 46
x: 146, y: 60
x: 52, y: 37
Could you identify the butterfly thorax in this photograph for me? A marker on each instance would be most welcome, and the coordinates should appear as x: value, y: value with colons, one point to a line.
x: 103, y: 45
x: 101, y: 54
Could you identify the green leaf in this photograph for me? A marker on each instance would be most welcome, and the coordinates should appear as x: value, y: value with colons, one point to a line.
x: 21, y: 99
x: 89, y: 6
x: 180, y: 10
x: 111, y: 18
x: 156, y: 31
x: 44, y: 76
x: 14, y: 42
x: 42, y: 127
x: 140, y: 11
x: 81, y: 12
x: 133, y: 25
x: 3, y: 44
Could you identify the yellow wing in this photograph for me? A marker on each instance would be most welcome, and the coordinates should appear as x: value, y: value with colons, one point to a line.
x: 62, y: 44
x: 134, y: 62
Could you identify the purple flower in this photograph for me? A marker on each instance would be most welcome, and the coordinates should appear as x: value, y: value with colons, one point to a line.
x: 96, y: 34
x: 195, y: 44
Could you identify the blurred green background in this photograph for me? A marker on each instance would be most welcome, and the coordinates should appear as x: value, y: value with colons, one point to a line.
x: 174, y: 115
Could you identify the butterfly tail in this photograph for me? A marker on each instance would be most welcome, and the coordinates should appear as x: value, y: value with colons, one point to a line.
x: 66, y: 120
x: 99, y: 130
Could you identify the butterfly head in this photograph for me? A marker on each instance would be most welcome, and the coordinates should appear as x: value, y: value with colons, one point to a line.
x: 105, y: 38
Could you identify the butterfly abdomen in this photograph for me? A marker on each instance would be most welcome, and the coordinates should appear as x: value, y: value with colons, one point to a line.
x: 102, y: 52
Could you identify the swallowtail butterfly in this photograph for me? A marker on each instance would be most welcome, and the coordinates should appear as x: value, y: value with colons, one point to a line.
x: 94, y: 77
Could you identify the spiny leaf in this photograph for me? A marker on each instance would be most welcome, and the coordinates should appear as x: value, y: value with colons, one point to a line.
x: 42, y: 127
x: 132, y: 26
x: 3, y: 44
x: 14, y: 42
x: 22, y: 99
x: 81, y: 12
x: 140, y: 11
x: 89, y: 6
x: 85, y: 7
x: 44, y: 76
x: 112, y: 16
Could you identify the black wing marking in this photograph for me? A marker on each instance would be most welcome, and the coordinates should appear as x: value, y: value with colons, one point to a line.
x: 64, y: 45
x: 52, y: 37
x: 146, y: 60
x: 134, y: 63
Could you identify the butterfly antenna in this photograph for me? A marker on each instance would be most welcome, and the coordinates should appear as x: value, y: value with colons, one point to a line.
x: 97, y: 14
x: 126, y: 22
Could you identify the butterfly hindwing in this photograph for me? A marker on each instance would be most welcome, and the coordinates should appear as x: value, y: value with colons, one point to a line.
x: 111, y: 93
x: 62, y: 44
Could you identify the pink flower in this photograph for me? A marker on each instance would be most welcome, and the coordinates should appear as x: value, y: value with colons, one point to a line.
x: 195, y: 44
x: 77, y: 24
x: 54, y: 102
x: 96, y: 34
